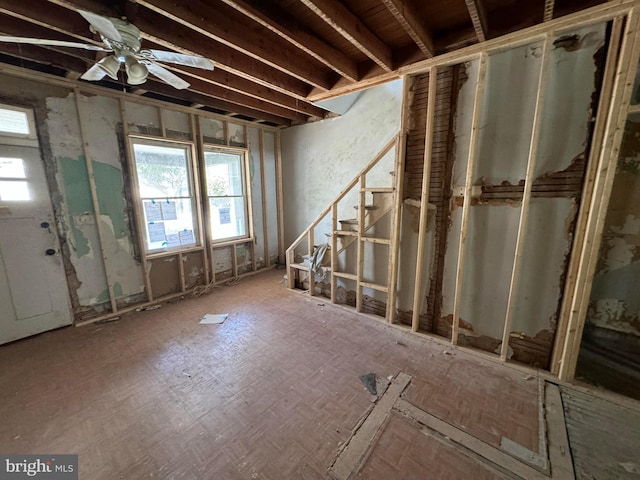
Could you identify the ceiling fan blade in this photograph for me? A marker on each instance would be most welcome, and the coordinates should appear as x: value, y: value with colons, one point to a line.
x: 179, y: 58
x: 166, y: 76
x: 102, y: 25
x: 53, y: 43
x: 94, y: 74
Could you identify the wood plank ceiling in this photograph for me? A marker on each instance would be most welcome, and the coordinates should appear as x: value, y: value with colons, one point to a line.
x: 272, y: 58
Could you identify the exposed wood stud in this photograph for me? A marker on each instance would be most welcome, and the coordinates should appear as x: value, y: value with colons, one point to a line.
x: 526, y: 198
x: 424, y: 199
x: 312, y: 276
x: 398, y: 180
x: 473, y: 143
x: 405, y: 14
x: 478, y: 18
x: 279, y: 196
x: 180, y: 260
x: 137, y: 203
x: 263, y: 190
x: 96, y: 204
x: 334, y: 252
x: 587, y: 192
x: 360, y: 244
x: 207, y: 249
x: 617, y: 117
x: 336, y: 15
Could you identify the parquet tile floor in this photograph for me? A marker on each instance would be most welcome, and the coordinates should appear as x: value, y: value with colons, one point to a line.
x: 269, y: 394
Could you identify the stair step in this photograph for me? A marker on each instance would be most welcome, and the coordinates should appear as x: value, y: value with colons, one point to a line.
x: 383, y: 241
x: 345, y: 233
x: 367, y: 207
x: 349, y: 221
x: 377, y: 189
x: 300, y: 266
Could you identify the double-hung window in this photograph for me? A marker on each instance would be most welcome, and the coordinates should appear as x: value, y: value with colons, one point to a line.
x: 164, y: 173
x: 226, y: 180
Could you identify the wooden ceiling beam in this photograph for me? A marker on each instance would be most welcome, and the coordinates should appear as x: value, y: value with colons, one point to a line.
x: 207, y: 101
x: 243, y: 86
x: 478, y: 18
x: 229, y: 27
x: 167, y: 33
x: 405, y: 13
x: 283, y: 24
x: 548, y: 10
x: 45, y: 56
x: 61, y: 24
x: 51, y: 16
x: 205, y: 88
x: 340, y: 18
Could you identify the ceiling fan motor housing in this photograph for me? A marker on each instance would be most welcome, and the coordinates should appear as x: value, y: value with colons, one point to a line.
x: 131, y: 41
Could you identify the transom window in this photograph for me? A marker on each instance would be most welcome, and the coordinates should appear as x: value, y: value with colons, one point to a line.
x: 225, y: 172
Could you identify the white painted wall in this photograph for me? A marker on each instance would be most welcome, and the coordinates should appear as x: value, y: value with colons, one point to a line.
x: 319, y: 159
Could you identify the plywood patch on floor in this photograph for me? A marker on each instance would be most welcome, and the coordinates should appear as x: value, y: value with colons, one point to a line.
x: 604, y: 437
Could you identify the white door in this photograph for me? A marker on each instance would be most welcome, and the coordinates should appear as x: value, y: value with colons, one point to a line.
x: 33, y: 288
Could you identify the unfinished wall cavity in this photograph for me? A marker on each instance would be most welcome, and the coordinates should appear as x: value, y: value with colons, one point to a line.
x: 504, y: 132
x: 615, y: 302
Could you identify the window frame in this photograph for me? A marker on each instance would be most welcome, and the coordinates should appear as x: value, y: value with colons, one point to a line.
x: 194, y: 194
x: 21, y: 139
x: 243, y: 153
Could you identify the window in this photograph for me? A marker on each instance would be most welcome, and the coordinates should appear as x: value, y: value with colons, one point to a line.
x: 16, y: 122
x: 227, y: 192
x: 165, y: 182
x: 13, y: 180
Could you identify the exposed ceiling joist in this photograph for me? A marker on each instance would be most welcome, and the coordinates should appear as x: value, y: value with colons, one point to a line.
x: 404, y: 12
x: 282, y: 24
x: 165, y: 32
x: 272, y: 58
x: 336, y: 15
x: 548, y: 10
x: 223, y: 25
x: 297, y: 110
x: 478, y: 18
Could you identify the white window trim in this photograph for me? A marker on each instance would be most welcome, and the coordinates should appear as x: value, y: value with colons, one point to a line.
x: 242, y: 152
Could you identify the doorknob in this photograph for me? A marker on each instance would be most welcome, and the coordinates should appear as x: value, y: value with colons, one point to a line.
x: 50, y: 251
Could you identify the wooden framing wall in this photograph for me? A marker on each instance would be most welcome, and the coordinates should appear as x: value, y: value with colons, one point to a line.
x: 202, y: 254
x: 597, y: 179
x: 582, y: 179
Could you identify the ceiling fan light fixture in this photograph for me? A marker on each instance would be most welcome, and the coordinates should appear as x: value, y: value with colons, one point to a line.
x: 137, y: 73
x: 110, y: 65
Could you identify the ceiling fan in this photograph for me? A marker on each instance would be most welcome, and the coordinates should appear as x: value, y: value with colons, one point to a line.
x: 123, y: 40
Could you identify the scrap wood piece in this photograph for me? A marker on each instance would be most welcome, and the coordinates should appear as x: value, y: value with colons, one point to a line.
x: 357, y: 448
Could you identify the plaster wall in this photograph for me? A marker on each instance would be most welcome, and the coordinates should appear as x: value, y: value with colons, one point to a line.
x: 320, y: 158
x: 503, y: 144
x: 615, y: 303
